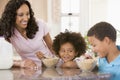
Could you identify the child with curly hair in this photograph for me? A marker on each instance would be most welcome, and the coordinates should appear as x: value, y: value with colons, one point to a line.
x: 68, y: 46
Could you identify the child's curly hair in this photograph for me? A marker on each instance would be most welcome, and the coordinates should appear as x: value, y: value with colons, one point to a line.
x: 74, y: 38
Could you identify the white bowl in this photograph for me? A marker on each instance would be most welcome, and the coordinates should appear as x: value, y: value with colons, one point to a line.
x: 50, y: 62
x: 86, y: 64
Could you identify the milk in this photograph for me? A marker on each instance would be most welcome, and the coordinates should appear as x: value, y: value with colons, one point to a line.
x: 6, y: 54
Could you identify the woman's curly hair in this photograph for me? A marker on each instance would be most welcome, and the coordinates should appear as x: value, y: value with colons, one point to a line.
x: 74, y: 38
x: 8, y: 19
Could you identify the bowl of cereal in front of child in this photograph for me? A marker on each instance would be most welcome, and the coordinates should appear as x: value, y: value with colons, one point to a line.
x: 50, y: 62
x: 86, y: 64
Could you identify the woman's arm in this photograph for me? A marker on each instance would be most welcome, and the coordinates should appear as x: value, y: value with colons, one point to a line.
x: 17, y: 63
x: 27, y: 63
x: 48, y: 42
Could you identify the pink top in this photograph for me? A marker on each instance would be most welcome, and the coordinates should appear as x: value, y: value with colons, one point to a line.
x: 28, y: 47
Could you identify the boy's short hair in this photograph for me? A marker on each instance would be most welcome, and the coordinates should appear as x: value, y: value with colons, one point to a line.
x: 102, y: 30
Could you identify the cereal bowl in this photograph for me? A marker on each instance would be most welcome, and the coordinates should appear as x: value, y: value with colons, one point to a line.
x: 50, y: 62
x: 86, y: 64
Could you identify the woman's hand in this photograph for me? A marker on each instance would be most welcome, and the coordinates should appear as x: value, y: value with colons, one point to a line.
x: 28, y: 72
x: 40, y: 55
x: 29, y: 64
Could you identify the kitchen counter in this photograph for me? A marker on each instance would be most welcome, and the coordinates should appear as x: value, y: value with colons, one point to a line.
x: 51, y: 74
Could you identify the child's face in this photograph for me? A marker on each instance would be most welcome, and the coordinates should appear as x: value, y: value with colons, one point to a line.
x: 100, y: 47
x: 67, y: 52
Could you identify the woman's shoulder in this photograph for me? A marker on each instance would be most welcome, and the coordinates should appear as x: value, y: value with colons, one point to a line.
x: 43, y: 27
x: 40, y: 22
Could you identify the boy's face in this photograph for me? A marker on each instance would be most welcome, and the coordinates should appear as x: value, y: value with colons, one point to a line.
x: 100, y: 47
x: 67, y: 52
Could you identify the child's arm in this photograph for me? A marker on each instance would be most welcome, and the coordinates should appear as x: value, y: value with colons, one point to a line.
x: 69, y: 64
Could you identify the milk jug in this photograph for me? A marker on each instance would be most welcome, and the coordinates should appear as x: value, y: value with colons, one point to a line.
x: 6, y: 54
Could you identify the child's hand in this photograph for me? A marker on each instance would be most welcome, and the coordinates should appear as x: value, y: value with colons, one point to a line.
x: 69, y: 64
x: 87, y: 56
x: 83, y: 57
x: 40, y: 55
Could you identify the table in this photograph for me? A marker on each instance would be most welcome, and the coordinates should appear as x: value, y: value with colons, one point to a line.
x: 51, y: 74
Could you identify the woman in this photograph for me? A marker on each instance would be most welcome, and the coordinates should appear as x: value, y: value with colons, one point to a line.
x: 27, y: 35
